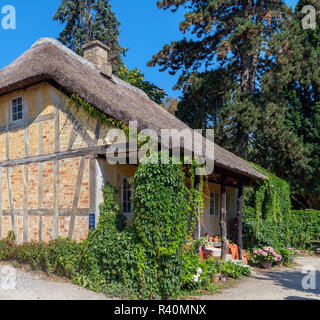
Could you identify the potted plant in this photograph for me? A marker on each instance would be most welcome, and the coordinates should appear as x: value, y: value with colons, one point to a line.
x: 266, y: 256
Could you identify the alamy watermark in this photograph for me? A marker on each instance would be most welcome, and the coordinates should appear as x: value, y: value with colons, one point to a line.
x: 8, y: 18
x: 8, y: 278
x: 164, y: 146
x: 309, y: 21
x: 309, y: 282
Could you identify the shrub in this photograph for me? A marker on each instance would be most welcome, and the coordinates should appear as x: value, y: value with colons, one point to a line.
x: 199, y: 275
x: 266, y: 254
x: 304, y: 227
x: 288, y: 255
x: 60, y: 256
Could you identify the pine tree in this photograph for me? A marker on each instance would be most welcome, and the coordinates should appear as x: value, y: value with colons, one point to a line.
x: 86, y: 20
x: 294, y: 82
x: 235, y: 35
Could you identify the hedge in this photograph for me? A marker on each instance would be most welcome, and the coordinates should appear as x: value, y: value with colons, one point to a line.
x: 303, y: 227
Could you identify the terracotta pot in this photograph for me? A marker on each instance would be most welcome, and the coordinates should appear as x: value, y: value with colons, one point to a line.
x: 236, y: 252
x: 267, y: 264
x: 201, y: 253
x: 245, y: 257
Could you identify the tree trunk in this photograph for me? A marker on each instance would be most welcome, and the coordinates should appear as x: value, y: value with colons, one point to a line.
x: 223, y: 213
x: 239, y: 216
x: 243, y: 142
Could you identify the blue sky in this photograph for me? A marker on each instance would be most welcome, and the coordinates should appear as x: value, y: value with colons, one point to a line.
x: 144, y: 30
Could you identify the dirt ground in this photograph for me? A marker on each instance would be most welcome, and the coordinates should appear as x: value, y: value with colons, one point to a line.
x: 18, y: 284
x: 278, y: 284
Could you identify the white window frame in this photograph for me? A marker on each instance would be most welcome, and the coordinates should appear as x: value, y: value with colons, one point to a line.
x: 214, y: 199
x: 11, y: 108
x: 122, y: 200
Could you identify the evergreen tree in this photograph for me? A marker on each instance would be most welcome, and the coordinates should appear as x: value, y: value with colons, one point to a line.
x: 235, y: 35
x: 294, y: 82
x: 86, y: 20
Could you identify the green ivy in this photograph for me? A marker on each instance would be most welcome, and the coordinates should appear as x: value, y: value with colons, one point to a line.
x: 305, y: 227
x: 95, y: 113
x: 268, y: 222
x: 161, y: 225
x: 196, y: 201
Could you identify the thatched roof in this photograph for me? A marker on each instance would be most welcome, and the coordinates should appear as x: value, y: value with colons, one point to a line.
x: 48, y: 60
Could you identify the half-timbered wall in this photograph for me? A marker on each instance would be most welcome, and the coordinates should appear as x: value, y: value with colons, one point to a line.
x: 47, y: 166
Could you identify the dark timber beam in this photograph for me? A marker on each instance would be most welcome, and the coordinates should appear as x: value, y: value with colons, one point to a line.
x: 223, y: 214
x: 76, y: 198
x: 239, y: 216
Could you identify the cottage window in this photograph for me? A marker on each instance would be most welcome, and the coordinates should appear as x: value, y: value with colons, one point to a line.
x: 214, y: 204
x: 127, y: 206
x: 228, y: 203
x: 16, y: 109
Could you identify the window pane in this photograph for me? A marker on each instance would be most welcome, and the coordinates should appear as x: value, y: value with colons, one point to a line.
x: 216, y: 203
x: 211, y: 204
x: 126, y: 197
x: 17, y: 109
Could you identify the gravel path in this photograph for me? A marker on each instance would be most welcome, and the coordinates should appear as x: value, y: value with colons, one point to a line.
x: 279, y: 284
x: 34, y: 286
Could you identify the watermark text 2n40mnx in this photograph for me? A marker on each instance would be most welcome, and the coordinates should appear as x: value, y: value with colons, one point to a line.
x: 8, y: 18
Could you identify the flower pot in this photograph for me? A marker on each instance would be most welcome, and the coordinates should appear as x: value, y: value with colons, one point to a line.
x: 279, y: 263
x: 267, y: 264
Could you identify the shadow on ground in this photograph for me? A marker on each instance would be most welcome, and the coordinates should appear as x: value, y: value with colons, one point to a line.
x: 292, y: 280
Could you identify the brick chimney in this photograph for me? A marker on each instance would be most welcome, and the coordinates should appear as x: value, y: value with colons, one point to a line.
x: 98, y: 53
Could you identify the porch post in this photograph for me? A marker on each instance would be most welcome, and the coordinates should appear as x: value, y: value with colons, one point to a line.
x: 239, y: 216
x: 223, y: 212
x: 197, y: 187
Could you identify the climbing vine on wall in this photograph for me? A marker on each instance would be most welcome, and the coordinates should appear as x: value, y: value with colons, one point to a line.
x: 269, y: 219
x: 196, y: 203
x: 95, y: 113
